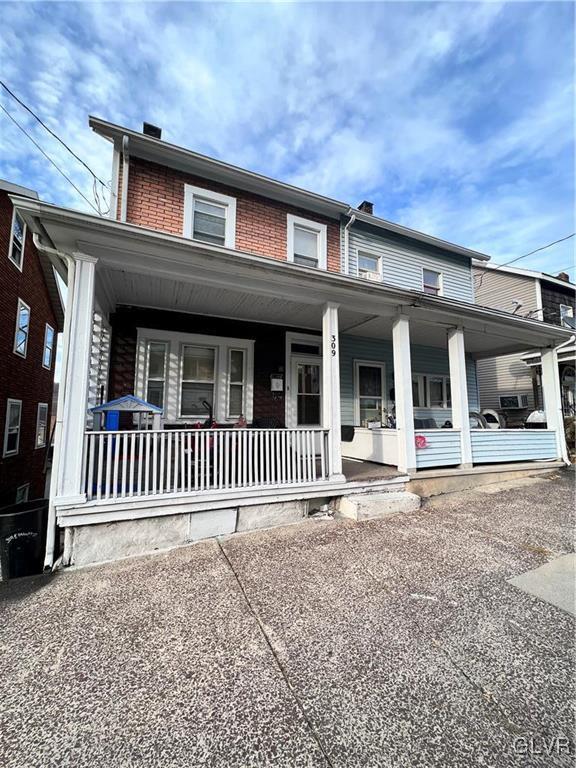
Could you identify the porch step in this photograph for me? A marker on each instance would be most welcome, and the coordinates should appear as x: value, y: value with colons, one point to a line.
x: 367, y: 506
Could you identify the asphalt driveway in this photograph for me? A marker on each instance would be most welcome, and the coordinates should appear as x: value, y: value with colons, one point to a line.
x: 397, y: 642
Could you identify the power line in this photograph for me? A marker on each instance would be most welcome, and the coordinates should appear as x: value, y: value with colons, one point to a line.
x: 68, y: 179
x: 51, y: 132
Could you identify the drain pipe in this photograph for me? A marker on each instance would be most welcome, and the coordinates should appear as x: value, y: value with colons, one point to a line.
x: 51, y: 525
x: 125, y: 172
x: 350, y: 222
x: 565, y: 456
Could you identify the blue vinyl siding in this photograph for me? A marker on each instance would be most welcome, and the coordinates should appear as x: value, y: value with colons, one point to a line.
x: 403, y: 261
x: 492, y: 446
x: 429, y: 360
x: 442, y: 448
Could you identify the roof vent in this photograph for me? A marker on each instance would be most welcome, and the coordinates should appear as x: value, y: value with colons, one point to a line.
x: 152, y: 130
x: 366, y: 207
x: 563, y: 276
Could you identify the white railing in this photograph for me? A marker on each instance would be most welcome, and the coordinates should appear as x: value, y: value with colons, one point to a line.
x: 151, y: 463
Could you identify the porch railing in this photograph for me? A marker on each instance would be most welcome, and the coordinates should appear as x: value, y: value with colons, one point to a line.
x: 151, y: 463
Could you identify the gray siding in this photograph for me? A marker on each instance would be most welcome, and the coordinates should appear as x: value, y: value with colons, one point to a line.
x: 429, y: 360
x: 402, y: 263
x: 506, y: 375
x: 498, y: 290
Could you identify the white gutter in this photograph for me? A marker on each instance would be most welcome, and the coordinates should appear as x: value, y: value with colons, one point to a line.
x: 125, y: 171
x: 51, y: 524
x: 350, y: 222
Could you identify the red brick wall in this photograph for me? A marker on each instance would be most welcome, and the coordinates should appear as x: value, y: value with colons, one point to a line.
x: 269, y: 350
x: 22, y: 378
x: 156, y: 200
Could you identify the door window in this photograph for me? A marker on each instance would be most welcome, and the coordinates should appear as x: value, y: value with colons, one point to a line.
x: 308, y: 394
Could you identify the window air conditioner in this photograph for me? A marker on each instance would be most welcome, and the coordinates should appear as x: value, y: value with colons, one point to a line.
x: 513, y: 401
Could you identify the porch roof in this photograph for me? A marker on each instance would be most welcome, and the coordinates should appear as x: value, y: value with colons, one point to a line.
x: 145, y: 267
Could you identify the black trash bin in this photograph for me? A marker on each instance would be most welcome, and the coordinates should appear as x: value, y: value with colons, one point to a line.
x: 23, y: 538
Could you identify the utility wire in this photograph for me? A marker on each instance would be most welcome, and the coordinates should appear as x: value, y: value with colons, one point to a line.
x: 68, y: 179
x: 51, y: 132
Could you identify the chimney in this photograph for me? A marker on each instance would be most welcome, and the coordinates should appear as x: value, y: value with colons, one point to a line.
x: 366, y: 207
x: 152, y: 130
x: 563, y: 276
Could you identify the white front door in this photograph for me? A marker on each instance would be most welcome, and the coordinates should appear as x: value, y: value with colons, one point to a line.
x: 305, y: 395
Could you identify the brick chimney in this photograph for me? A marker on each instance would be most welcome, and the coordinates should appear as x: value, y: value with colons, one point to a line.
x: 151, y: 130
x: 563, y: 276
x: 366, y: 207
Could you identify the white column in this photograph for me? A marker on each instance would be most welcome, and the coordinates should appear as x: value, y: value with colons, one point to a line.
x: 553, y: 399
x: 459, y: 390
x: 403, y: 394
x: 69, y: 449
x: 331, y: 388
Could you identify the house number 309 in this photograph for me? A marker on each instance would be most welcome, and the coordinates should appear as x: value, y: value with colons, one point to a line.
x: 333, y: 345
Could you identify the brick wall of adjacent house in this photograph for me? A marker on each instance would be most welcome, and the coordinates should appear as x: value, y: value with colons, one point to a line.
x: 22, y: 379
x: 156, y: 200
x: 269, y: 350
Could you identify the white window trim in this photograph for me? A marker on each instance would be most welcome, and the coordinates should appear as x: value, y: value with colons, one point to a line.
x: 43, y: 445
x: 424, y: 390
x: 320, y: 229
x: 172, y: 387
x: 368, y: 364
x: 5, y: 451
x: 26, y: 489
x: 569, y: 313
x: 369, y: 255
x: 24, y: 231
x: 20, y: 305
x: 440, y: 281
x: 48, y: 327
x: 190, y: 194
x: 147, y: 371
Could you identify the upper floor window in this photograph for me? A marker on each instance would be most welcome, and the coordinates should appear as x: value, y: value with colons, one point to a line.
x: 432, y: 282
x: 567, y: 314
x: 48, y: 347
x: 369, y: 267
x: 12, y: 428
x: 209, y: 216
x: 306, y: 242
x: 17, y: 240
x: 41, y: 425
x: 22, y: 328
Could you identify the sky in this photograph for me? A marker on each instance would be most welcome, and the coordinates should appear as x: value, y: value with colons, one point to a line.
x: 453, y: 118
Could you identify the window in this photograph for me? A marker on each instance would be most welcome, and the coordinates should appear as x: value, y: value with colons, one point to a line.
x: 431, y: 391
x: 41, y: 425
x: 236, y: 377
x: 432, y: 282
x: 308, y: 394
x: 22, y: 493
x: 369, y: 386
x: 156, y: 378
x: 22, y: 328
x: 12, y: 427
x: 209, y: 216
x: 17, y: 240
x: 566, y: 313
x: 369, y: 267
x: 306, y: 242
x: 48, y: 347
x: 198, y: 377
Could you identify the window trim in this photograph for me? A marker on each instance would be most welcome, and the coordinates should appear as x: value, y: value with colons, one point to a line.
x: 147, y: 368
x: 21, y: 304
x: 424, y: 389
x: 367, y: 364
x: 49, y: 366
x: 570, y: 313
x: 24, y: 232
x: 440, y: 281
x: 5, y: 451
x: 359, y: 253
x: 191, y: 193
x: 320, y: 229
x: 230, y: 383
x: 26, y: 488
x: 43, y: 445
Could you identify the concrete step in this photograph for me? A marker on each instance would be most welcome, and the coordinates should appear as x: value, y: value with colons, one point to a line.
x: 367, y: 506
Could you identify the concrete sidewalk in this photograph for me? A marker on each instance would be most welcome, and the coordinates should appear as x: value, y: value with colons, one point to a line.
x: 396, y: 642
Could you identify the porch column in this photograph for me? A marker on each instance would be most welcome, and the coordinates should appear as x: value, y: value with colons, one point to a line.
x: 553, y: 399
x: 403, y: 394
x: 69, y: 444
x: 459, y: 390
x: 331, y: 389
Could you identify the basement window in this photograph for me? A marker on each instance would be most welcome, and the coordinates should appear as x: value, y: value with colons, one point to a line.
x: 209, y: 217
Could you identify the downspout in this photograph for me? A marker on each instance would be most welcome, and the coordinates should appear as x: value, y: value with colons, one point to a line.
x: 347, y: 243
x: 565, y: 456
x: 51, y: 524
x: 125, y: 171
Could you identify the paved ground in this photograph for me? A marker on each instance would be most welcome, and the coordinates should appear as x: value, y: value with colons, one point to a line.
x: 387, y: 643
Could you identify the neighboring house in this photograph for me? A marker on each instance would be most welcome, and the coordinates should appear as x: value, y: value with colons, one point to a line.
x: 303, y: 329
x: 31, y: 316
x: 512, y: 383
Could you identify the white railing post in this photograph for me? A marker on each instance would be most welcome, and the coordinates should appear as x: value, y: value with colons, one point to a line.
x: 403, y: 394
x: 553, y: 399
x: 331, y: 418
x: 459, y: 391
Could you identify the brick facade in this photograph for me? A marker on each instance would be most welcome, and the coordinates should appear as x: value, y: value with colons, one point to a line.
x: 156, y: 201
x: 23, y: 379
x: 269, y: 350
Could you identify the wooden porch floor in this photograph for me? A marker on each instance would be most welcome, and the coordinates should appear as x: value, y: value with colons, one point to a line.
x: 367, y: 470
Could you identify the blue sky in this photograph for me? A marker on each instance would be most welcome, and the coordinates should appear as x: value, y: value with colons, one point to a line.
x: 454, y: 118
